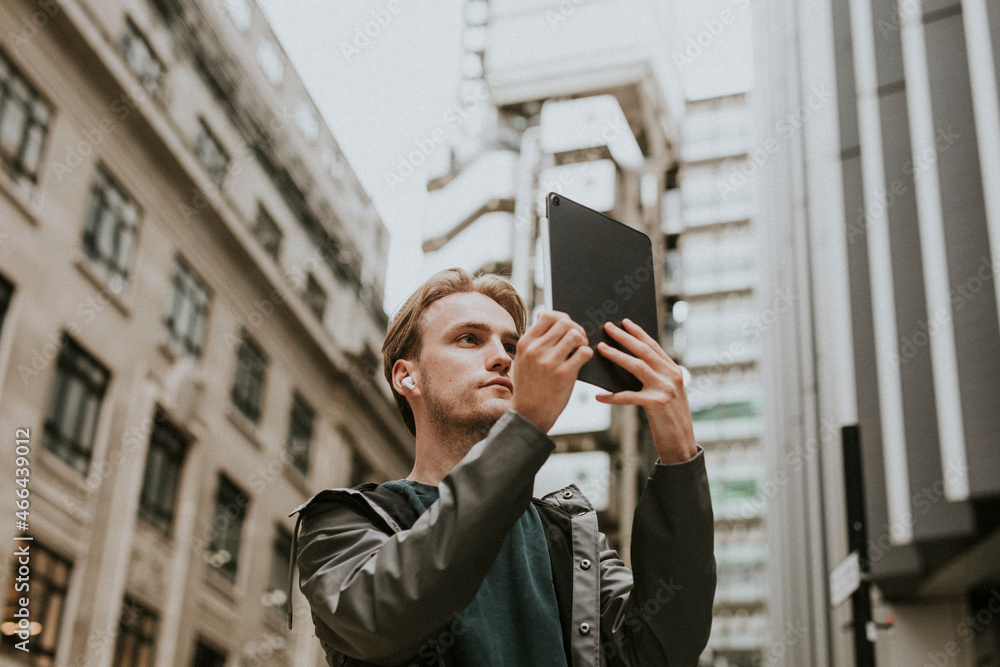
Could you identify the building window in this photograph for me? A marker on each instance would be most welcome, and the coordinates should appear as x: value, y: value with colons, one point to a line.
x: 206, y: 656
x: 6, y: 293
x: 208, y: 149
x: 276, y: 598
x: 267, y: 232
x: 227, y: 528
x: 314, y: 296
x: 109, y: 234
x: 50, y: 575
x: 240, y: 13
x: 141, y: 59
x: 248, y: 385
x: 188, y: 314
x: 167, y: 447
x: 74, y: 405
x: 270, y: 61
x: 24, y: 122
x: 300, y: 431
x: 135, y: 645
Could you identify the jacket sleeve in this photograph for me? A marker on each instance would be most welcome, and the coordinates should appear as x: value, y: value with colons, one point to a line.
x: 380, y: 597
x: 660, y: 612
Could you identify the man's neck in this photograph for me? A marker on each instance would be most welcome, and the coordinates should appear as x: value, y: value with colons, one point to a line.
x: 439, y: 450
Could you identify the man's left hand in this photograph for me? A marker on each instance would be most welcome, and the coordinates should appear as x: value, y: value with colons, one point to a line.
x: 662, y: 395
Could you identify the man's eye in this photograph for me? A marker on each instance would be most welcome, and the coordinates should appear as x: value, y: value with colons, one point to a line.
x: 511, y: 348
x: 470, y: 337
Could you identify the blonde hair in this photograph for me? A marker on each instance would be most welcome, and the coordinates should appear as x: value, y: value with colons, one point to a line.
x: 404, y: 335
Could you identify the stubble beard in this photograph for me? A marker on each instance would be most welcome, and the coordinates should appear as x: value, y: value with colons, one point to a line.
x: 462, y: 428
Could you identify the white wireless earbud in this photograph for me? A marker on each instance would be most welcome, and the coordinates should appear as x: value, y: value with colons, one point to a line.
x: 409, y: 383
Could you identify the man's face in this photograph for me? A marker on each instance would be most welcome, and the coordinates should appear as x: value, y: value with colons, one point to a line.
x: 464, y: 366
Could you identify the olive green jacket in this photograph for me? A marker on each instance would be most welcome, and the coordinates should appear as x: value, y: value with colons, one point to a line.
x: 385, y: 587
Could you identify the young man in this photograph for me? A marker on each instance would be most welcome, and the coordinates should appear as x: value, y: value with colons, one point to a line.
x: 457, y: 565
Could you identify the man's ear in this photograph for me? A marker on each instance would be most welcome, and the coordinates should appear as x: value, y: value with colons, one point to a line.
x: 405, y: 368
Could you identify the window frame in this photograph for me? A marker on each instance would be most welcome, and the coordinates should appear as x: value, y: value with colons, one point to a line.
x: 206, y: 137
x: 6, y: 299
x: 280, y: 562
x: 301, y: 415
x: 188, y: 286
x: 37, y: 114
x: 46, y: 583
x: 218, y: 655
x: 152, y: 82
x: 103, y: 191
x: 247, y: 392
x: 228, y: 494
x: 140, y: 624
x: 159, y: 510
x: 315, y: 296
x: 75, y: 454
x: 265, y: 223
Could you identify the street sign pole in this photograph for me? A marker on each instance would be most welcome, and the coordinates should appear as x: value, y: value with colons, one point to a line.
x: 857, y: 540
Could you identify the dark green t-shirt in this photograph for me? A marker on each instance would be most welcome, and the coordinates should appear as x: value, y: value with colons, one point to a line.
x: 514, y: 619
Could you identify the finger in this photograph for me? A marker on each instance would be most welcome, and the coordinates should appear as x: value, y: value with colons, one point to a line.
x: 543, y: 322
x: 636, y: 346
x: 556, y: 332
x: 637, y: 367
x: 641, y: 334
x: 620, y: 398
x: 541, y: 329
x: 569, y: 343
x: 579, y: 357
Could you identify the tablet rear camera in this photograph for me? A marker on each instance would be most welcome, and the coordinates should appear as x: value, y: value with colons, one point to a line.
x: 555, y: 199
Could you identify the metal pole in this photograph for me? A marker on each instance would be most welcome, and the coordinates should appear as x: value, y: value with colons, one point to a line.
x: 857, y: 540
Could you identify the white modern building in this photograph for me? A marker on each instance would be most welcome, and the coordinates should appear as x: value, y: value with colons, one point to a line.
x: 719, y: 342
x: 582, y: 99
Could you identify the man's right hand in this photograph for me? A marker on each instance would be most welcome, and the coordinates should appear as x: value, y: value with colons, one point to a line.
x: 548, y: 360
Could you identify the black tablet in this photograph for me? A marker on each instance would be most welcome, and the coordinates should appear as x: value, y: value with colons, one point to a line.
x: 598, y: 270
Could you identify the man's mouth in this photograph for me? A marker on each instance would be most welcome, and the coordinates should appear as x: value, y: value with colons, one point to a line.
x: 502, y: 382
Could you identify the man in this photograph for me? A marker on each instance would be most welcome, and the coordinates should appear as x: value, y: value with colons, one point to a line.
x: 457, y: 564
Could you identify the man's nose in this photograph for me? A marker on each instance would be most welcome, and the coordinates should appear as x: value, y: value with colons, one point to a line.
x: 498, y: 357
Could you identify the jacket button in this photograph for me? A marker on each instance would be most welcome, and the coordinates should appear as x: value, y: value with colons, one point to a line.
x: 584, y: 628
x: 585, y: 564
x: 567, y: 494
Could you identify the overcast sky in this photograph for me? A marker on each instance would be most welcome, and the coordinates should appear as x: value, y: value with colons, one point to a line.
x: 380, y: 95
